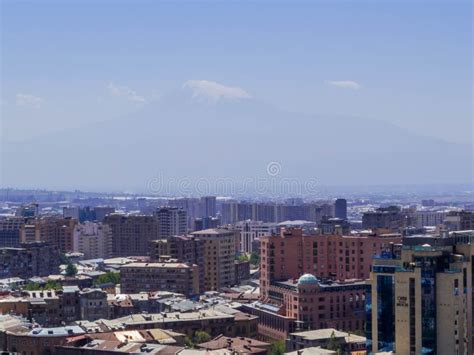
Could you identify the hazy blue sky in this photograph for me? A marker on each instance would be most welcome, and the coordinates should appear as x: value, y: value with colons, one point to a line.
x: 65, y: 64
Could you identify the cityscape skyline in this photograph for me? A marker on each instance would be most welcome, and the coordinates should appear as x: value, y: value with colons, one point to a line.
x: 209, y: 177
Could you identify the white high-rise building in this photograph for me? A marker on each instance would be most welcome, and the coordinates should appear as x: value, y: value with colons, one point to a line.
x: 93, y: 239
x: 171, y: 221
x: 251, y: 230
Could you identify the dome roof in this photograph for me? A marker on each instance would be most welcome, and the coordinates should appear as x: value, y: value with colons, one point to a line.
x: 307, y: 279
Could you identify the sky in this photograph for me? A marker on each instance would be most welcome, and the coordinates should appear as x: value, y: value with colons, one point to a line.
x: 67, y: 64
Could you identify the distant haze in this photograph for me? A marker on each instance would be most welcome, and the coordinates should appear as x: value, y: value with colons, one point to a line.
x: 190, y: 135
x: 123, y: 96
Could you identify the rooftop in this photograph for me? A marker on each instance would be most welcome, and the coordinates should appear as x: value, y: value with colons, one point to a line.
x: 312, y: 351
x: 158, y: 265
x: 213, y: 231
x: 59, y: 331
x: 238, y: 344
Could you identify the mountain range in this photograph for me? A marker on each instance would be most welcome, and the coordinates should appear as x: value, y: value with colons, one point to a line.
x: 188, y: 136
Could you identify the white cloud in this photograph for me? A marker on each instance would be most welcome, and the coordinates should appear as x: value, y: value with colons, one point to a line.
x: 28, y: 100
x: 126, y: 92
x: 345, y: 84
x: 212, y: 91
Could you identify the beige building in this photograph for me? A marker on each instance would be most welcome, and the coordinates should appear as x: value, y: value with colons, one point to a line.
x: 30, y: 232
x: 421, y: 299
x: 93, y: 239
x: 219, y: 254
x: 57, y: 232
x: 148, y: 277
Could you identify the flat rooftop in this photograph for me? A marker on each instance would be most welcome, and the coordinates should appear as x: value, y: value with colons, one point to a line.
x: 158, y: 265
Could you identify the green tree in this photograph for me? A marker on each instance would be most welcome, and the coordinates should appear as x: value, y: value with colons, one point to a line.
x: 32, y: 286
x: 52, y: 285
x: 71, y: 269
x: 254, y: 259
x: 49, y: 285
x: 201, y: 337
x: 188, y: 342
x: 108, y: 277
x: 242, y: 257
x: 277, y: 348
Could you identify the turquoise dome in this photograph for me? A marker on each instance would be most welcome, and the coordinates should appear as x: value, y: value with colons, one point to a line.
x: 307, y: 279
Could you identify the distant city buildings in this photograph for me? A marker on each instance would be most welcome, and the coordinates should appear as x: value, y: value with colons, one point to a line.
x: 10, y: 228
x: 192, y: 206
x: 334, y: 226
x: 30, y: 210
x: 428, y: 218
x: 93, y: 239
x: 252, y: 230
x: 206, y: 223
x: 391, y: 218
x: 171, y: 221
x: 233, y: 212
x: 459, y: 220
x: 83, y: 214
x: 340, y: 208
x: 328, y: 275
x: 208, y: 206
x: 132, y: 234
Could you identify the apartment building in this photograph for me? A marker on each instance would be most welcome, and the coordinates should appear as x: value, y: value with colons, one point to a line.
x: 219, y: 253
x: 183, y: 248
x: 30, y: 259
x: 92, y: 239
x: 337, y: 257
x: 131, y: 234
x: 57, y: 231
x: 171, y: 221
x: 252, y: 230
x: 164, y: 276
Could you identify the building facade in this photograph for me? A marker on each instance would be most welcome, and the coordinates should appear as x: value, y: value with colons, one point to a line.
x: 148, y: 277
x: 251, y: 230
x: 391, y: 218
x: 337, y: 257
x: 219, y: 254
x: 308, y: 303
x: 186, y: 249
x: 459, y: 220
x: 93, y: 239
x: 30, y: 259
x: 208, y: 206
x: 340, y: 208
x: 421, y: 299
x: 171, y: 221
x: 131, y: 234
x: 10, y: 228
x: 58, y: 232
